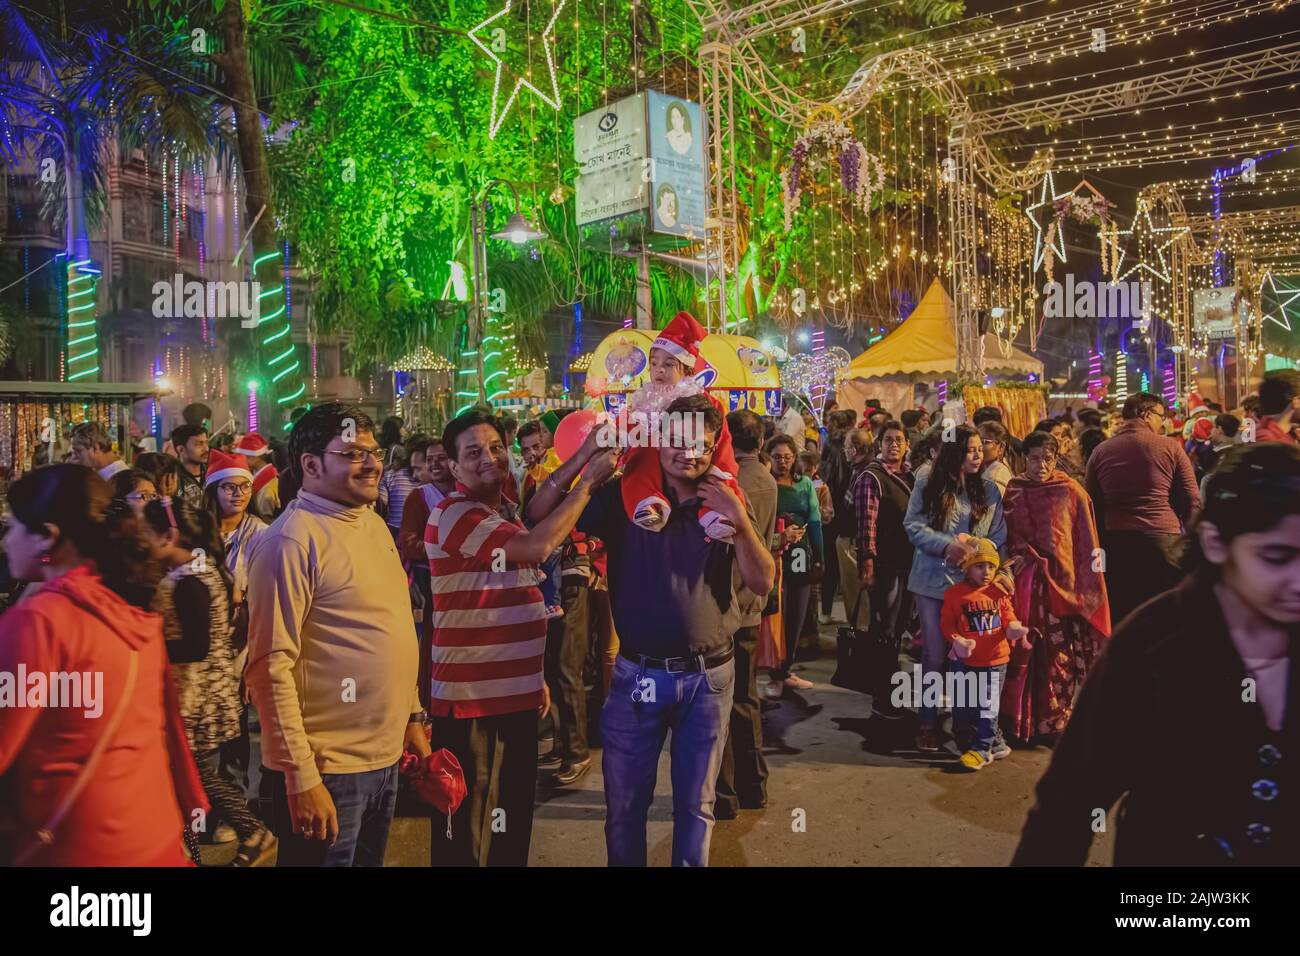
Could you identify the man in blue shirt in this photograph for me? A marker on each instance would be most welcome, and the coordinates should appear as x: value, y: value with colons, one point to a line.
x: 676, y: 596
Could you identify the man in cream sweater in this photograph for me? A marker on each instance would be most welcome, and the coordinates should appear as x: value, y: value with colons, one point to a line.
x: 332, y: 651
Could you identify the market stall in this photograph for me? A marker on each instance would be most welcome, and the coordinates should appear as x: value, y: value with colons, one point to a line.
x: 36, y: 416
x: 924, y: 350
x: 736, y: 369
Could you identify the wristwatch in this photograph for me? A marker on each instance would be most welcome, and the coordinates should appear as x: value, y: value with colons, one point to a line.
x: 419, y: 717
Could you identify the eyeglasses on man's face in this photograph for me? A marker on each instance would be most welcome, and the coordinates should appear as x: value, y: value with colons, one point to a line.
x: 356, y: 454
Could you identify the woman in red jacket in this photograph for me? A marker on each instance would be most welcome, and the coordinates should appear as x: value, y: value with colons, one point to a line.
x: 101, y: 770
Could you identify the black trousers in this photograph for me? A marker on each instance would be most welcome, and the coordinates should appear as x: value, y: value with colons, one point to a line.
x: 742, y: 778
x: 830, y: 582
x: 568, y: 639
x: 494, y: 825
x: 1138, y: 567
x: 890, y: 602
x: 891, y: 606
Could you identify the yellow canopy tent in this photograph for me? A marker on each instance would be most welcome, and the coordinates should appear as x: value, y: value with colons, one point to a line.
x: 922, y: 349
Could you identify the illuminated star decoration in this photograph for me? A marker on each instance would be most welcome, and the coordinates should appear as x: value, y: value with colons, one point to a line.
x: 1047, y: 197
x: 549, y: 93
x: 1145, y: 231
x: 1283, y: 296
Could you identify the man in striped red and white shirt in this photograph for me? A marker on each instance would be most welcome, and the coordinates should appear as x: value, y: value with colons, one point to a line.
x: 489, y: 638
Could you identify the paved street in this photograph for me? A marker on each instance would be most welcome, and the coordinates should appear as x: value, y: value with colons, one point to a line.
x: 864, y: 804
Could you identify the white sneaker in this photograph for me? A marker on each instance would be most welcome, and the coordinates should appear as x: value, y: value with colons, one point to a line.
x: 774, y: 690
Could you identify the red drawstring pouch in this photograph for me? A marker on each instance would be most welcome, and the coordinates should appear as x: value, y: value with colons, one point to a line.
x: 438, y: 779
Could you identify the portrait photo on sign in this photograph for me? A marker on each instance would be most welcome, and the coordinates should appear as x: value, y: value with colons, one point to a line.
x: 666, y: 205
x: 679, y: 134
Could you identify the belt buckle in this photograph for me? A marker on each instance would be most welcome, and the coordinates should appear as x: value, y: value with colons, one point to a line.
x: 675, y: 665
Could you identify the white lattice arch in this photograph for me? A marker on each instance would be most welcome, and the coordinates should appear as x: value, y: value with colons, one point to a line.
x: 728, y: 50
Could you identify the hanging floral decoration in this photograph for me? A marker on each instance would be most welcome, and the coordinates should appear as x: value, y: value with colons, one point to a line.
x: 1048, y: 259
x: 827, y: 139
x: 1084, y: 208
x: 1108, y: 233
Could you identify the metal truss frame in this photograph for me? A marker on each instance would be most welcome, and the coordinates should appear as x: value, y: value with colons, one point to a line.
x: 1248, y: 268
x: 1154, y: 88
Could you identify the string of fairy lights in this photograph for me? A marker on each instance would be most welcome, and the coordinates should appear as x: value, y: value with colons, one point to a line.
x: 1004, y: 49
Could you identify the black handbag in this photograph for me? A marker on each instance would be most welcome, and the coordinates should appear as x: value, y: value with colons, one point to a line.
x: 865, y: 660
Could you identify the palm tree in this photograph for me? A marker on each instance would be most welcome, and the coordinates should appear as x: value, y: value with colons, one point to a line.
x: 68, y: 101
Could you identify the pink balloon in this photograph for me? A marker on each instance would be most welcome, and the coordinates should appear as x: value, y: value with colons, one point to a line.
x: 572, y: 432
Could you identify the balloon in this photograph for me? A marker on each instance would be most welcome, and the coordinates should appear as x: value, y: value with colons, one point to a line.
x: 572, y: 432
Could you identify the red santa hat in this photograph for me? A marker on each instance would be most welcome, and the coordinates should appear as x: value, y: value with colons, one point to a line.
x: 681, y: 339
x: 253, y: 445
x: 222, y: 466
x: 1202, y: 430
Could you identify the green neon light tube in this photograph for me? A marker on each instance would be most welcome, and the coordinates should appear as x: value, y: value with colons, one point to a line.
x: 289, y: 398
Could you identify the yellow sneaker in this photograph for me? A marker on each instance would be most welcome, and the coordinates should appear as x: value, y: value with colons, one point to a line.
x: 975, y: 760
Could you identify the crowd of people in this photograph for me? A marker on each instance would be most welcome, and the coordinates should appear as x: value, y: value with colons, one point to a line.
x: 278, y: 623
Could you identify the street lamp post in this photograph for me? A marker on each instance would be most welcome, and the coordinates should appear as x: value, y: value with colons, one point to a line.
x: 519, y: 231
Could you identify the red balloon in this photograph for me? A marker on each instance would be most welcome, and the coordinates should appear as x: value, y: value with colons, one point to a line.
x: 572, y: 432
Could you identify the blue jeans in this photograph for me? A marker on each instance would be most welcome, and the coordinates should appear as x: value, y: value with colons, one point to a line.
x: 696, y: 707
x: 975, y: 717
x: 934, y: 651
x: 364, y: 801
x: 550, y: 583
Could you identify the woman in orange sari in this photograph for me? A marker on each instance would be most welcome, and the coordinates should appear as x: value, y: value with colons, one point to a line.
x: 1060, y: 594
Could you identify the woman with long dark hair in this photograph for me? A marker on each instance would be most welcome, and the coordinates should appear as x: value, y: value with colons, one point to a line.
x: 105, y: 779
x: 951, y: 503
x: 796, y: 502
x: 194, y: 599
x: 1192, y: 715
x: 227, y: 493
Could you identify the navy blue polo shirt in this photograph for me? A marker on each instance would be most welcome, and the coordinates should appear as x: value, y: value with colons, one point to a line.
x: 672, y: 590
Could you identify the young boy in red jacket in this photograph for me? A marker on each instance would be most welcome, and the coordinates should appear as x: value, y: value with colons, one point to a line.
x: 977, y: 618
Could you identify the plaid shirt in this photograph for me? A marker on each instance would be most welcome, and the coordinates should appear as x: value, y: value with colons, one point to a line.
x: 866, y: 506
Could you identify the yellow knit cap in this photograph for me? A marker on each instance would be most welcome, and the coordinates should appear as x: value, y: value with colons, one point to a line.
x: 982, y: 550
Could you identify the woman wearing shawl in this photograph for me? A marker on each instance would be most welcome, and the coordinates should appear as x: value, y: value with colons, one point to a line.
x: 1060, y: 594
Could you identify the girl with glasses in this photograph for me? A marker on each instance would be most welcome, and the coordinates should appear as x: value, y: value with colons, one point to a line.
x: 134, y: 488
x: 227, y: 493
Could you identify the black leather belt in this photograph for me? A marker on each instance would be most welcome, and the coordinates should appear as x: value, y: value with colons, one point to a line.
x: 679, y: 665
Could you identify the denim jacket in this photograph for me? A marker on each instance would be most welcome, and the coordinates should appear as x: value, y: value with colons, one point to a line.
x: 931, y: 573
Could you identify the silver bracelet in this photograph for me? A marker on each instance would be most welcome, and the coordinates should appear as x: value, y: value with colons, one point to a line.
x: 550, y: 479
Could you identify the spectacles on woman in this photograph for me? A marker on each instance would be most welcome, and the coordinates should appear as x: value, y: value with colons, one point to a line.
x: 144, y: 496
x: 235, y: 489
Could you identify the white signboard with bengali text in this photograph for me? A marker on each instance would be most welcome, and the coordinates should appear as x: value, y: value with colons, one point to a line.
x: 610, y: 146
